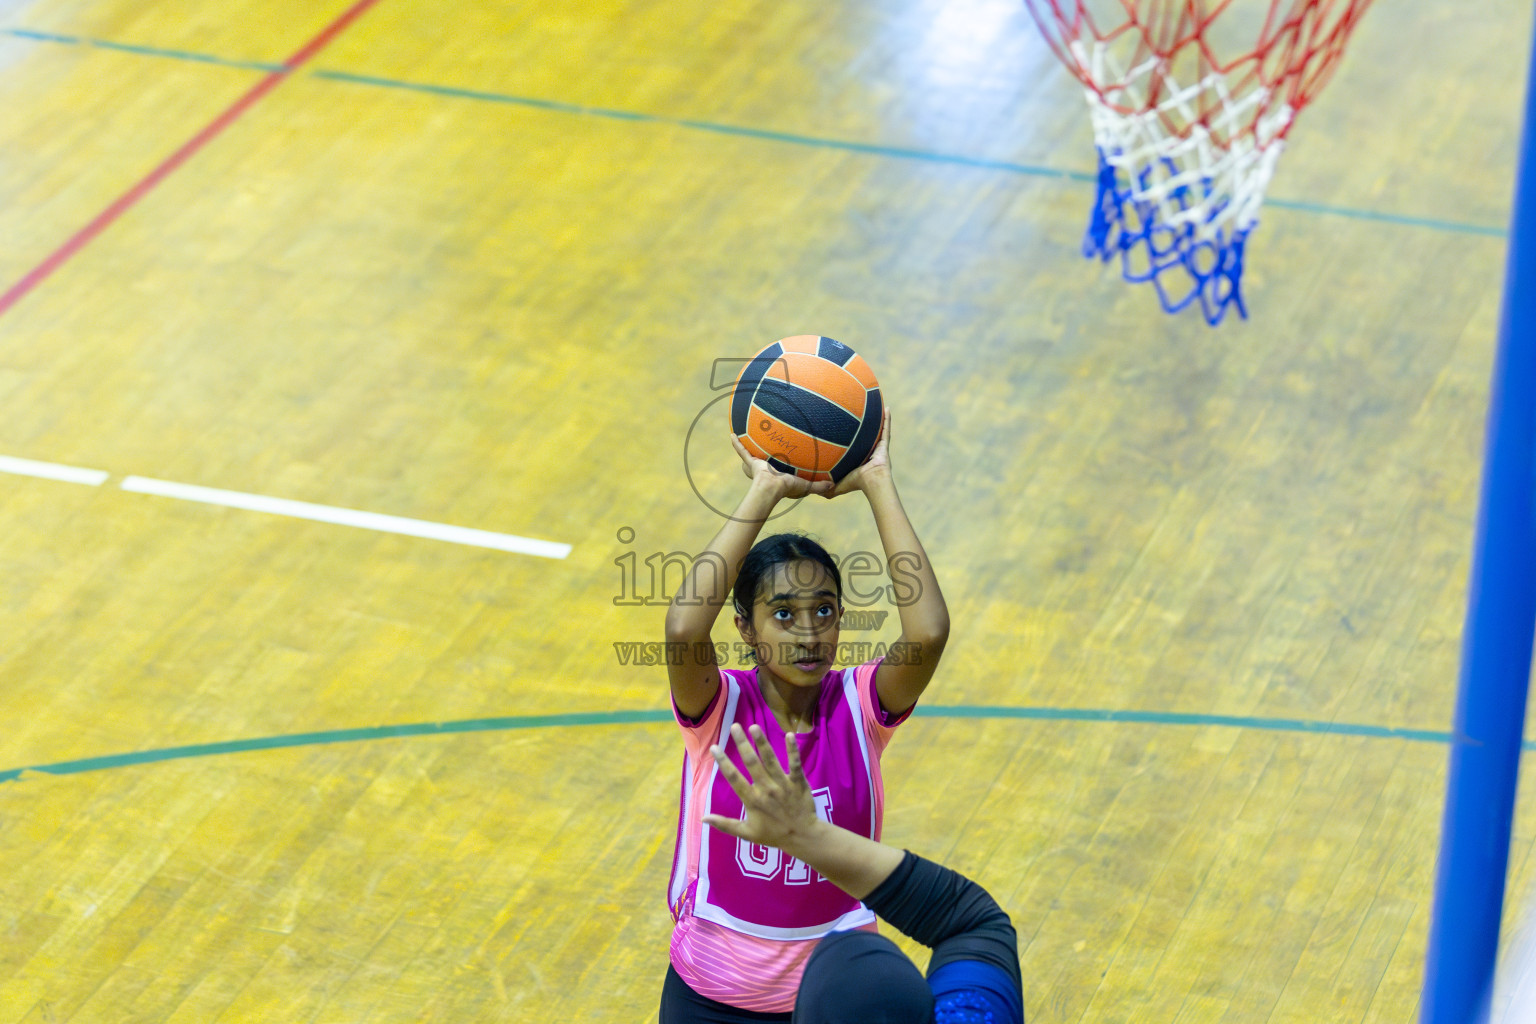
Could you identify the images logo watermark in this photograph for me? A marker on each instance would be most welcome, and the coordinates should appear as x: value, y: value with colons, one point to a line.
x: 649, y: 653
x: 650, y: 587
x: 723, y: 374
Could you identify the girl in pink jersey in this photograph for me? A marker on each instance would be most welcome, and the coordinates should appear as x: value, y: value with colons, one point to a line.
x: 748, y: 916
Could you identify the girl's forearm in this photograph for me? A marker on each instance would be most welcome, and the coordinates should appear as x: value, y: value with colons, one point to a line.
x: 853, y: 863
x: 707, y: 587
x: 919, y: 602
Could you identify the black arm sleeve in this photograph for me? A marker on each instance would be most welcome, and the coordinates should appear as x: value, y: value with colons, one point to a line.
x: 950, y: 913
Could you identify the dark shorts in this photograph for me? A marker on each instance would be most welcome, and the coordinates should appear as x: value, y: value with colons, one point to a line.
x: 682, y: 1005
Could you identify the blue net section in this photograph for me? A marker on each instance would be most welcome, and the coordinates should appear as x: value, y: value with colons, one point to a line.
x: 1171, y: 241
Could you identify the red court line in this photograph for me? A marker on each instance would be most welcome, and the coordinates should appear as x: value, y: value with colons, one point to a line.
x: 81, y: 238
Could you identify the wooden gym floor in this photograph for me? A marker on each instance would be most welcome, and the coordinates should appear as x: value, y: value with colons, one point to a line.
x: 471, y: 264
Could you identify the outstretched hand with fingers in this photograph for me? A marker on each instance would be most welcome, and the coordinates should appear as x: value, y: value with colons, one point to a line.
x: 779, y: 805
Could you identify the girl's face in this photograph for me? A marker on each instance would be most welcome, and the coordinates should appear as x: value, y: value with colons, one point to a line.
x: 795, y: 622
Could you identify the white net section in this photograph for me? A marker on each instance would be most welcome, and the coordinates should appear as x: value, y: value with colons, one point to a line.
x: 1190, y: 180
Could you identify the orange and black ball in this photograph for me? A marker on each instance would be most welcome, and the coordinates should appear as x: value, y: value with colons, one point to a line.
x: 808, y: 405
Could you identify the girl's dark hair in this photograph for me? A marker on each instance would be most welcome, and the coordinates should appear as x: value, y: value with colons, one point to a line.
x: 777, y: 550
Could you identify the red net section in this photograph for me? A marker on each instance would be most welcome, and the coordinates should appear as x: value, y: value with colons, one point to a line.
x: 1137, y: 55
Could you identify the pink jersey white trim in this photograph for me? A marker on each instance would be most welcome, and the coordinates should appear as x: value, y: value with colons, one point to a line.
x: 748, y: 916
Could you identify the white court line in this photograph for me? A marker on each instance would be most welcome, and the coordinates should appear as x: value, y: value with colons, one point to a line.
x: 348, y: 517
x: 52, y: 471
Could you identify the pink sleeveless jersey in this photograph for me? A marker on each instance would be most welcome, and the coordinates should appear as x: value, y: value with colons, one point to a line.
x: 748, y: 916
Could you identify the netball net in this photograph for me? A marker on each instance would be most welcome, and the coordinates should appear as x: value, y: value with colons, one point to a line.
x: 1189, y: 117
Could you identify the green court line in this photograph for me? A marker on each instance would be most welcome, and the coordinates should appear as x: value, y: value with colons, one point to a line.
x: 653, y: 717
x: 790, y: 138
x: 146, y: 51
x: 309, y: 739
x: 1388, y: 218
x: 1181, y: 718
x: 707, y: 126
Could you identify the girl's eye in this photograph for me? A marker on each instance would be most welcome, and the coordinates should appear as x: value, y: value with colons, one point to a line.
x: 781, y: 611
x: 825, y: 609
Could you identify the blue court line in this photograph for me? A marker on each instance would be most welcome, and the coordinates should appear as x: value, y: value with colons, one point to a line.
x: 652, y: 717
x: 871, y: 149
x: 147, y: 51
x: 1388, y: 218
x: 1033, y: 170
